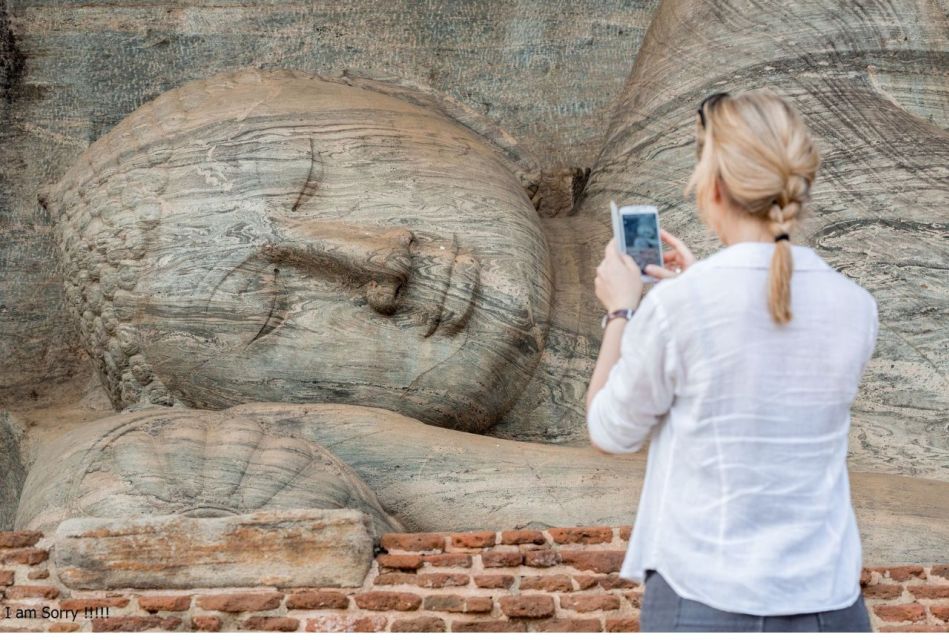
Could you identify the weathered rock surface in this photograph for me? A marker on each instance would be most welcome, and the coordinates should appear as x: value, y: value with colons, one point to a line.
x: 277, y: 236
x: 12, y: 471
x: 870, y: 80
x: 202, y: 464
x: 287, y: 548
x: 546, y: 71
x: 438, y: 479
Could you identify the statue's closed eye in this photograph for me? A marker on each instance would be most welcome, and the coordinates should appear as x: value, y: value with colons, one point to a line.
x: 252, y: 296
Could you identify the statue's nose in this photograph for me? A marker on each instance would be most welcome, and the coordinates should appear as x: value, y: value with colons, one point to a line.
x: 377, y: 259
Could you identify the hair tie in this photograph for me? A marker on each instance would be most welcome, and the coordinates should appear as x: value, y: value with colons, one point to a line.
x: 782, y: 236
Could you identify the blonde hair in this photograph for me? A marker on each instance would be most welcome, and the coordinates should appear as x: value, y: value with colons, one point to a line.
x: 758, y: 148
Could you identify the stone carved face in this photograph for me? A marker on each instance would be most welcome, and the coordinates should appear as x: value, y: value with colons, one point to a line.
x: 275, y: 237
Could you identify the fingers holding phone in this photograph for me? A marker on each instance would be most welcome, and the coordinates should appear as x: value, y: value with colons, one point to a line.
x: 675, y: 261
x: 618, y: 284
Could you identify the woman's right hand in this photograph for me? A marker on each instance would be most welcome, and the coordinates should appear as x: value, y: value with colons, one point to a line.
x: 676, y: 260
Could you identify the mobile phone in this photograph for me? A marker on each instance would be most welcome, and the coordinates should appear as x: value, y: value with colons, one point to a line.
x: 636, y: 229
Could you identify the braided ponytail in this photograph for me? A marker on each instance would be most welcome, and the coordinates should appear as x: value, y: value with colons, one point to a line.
x: 757, y: 145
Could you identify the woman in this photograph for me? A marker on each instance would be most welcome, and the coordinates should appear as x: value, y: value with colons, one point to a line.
x: 743, y: 367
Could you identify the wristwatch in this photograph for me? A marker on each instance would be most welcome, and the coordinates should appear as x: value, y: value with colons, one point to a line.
x: 619, y: 313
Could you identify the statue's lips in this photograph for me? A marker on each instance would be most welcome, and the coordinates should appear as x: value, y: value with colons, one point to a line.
x: 458, y: 299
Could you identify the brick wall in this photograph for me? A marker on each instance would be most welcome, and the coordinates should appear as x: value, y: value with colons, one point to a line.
x: 553, y: 580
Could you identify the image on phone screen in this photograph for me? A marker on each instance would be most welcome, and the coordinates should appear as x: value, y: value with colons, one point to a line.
x: 641, y: 232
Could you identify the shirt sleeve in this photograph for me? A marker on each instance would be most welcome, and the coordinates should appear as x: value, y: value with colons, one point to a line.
x: 874, y: 326
x: 640, y: 387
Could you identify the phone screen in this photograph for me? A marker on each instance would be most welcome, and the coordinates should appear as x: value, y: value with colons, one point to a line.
x: 641, y: 233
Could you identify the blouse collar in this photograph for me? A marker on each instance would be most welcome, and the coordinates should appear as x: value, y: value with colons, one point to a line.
x: 757, y: 255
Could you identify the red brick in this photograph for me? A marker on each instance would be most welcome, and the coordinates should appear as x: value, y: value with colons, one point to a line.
x: 929, y: 592
x: 395, y: 577
x: 635, y: 598
x: 494, y: 581
x: 588, y: 626
x: 622, y: 624
x: 458, y: 604
x: 135, y: 623
x: 403, y: 561
x: 152, y: 604
x: 270, y: 623
x: 425, y: 624
x: 581, y: 535
x: 919, y: 628
x: 446, y: 602
x: 345, y: 623
x: 449, y: 560
x: 883, y: 591
x: 625, y: 532
x: 479, y: 604
x: 205, y: 623
x: 598, y: 561
x: 24, y: 556
x: 10, y: 539
x: 425, y: 580
x: 865, y: 576
x: 585, y: 581
x: 387, y: 601
x: 62, y: 627
x: 439, y: 580
x: 900, y: 612
x: 80, y: 604
x: 541, y: 558
x: 614, y: 581
x: 906, y: 572
x: 527, y: 606
x: 6, y: 578
x: 37, y: 574
x: 941, y: 570
x: 546, y: 583
x: 487, y: 626
x: 493, y: 559
x: 474, y: 539
x: 413, y: 541
x: 941, y: 611
x: 585, y: 603
x: 523, y: 536
x: 317, y: 599
x: 236, y: 602
x: 32, y: 591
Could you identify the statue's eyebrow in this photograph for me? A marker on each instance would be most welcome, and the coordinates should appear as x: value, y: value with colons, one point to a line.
x: 313, y: 178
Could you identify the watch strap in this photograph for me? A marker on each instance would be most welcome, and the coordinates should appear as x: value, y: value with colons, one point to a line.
x: 618, y: 313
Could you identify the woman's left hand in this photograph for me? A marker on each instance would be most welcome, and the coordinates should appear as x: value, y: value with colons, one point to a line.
x: 619, y: 283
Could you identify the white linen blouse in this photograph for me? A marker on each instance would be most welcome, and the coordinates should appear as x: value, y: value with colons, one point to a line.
x: 745, y: 505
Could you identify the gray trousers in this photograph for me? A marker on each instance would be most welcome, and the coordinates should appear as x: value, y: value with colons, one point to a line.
x: 664, y: 610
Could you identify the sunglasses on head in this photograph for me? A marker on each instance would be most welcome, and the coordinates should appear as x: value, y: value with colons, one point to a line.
x: 710, y: 100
